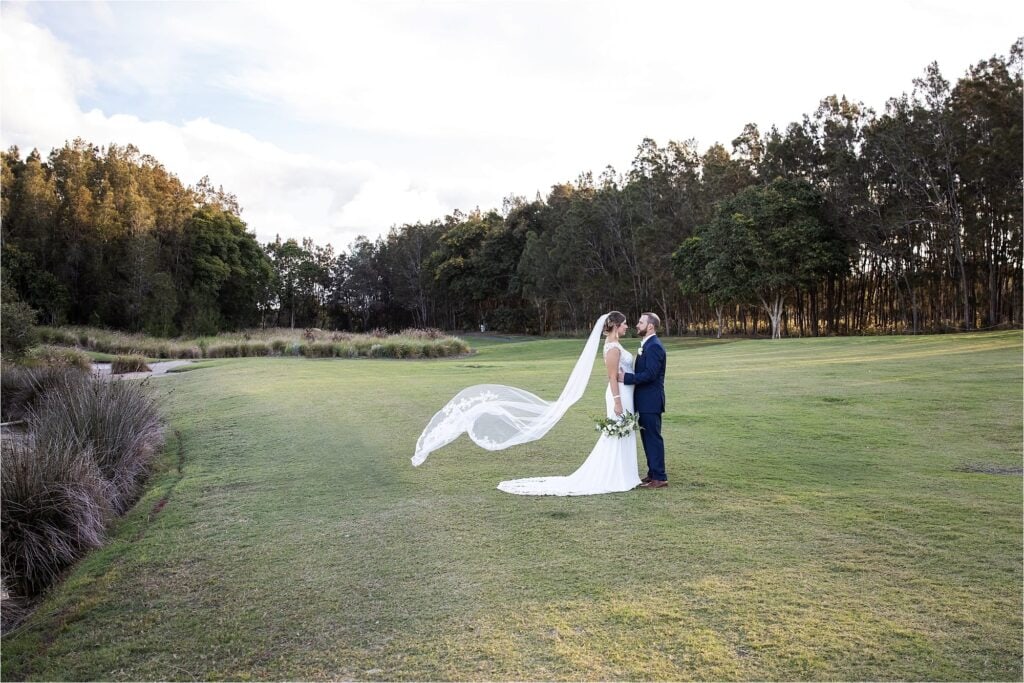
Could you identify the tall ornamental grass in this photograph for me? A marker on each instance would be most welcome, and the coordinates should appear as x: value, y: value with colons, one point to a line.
x: 118, y: 423
x: 54, y: 507
x: 83, y: 457
x: 21, y: 387
x: 49, y: 355
x: 312, y: 343
x: 124, y: 364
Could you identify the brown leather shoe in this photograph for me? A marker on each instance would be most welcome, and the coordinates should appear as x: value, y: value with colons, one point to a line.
x: 654, y: 484
x: 645, y: 480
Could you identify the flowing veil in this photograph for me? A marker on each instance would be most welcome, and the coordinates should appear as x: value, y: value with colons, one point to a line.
x: 496, y: 416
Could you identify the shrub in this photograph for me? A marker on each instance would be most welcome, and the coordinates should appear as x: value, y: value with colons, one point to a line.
x: 118, y: 423
x: 22, y: 387
x: 126, y: 364
x: 222, y: 351
x: 59, y: 356
x: 18, y: 332
x: 54, y: 503
x: 257, y: 348
x: 423, y: 333
x: 309, y: 342
x: 55, y: 335
x: 318, y: 350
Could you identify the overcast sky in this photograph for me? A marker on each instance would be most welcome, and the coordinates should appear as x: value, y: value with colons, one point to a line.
x: 334, y: 120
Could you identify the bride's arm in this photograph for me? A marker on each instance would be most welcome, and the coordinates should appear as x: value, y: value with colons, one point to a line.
x: 611, y: 364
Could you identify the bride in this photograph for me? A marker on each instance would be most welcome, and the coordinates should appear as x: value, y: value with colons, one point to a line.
x: 496, y: 417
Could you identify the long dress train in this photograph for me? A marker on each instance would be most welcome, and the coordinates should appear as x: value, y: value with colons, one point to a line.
x: 611, y: 465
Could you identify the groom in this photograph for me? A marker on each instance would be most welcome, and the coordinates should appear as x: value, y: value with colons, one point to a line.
x: 649, y: 398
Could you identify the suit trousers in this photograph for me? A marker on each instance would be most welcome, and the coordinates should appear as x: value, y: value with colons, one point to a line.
x: 654, y: 445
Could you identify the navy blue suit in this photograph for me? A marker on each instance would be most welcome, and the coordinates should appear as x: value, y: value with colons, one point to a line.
x: 649, y: 403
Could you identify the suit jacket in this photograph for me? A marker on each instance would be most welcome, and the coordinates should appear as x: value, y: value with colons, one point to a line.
x: 649, y: 378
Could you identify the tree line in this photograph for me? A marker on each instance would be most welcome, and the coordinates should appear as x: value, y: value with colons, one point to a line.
x: 848, y: 221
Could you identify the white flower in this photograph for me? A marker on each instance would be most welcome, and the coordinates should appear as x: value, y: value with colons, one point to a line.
x: 624, y: 425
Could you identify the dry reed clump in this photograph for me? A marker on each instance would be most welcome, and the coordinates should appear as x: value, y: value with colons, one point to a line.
x: 54, y: 505
x: 257, y: 348
x: 106, y: 341
x: 59, y: 356
x: 423, y: 333
x: 125, y: 364
x: 86, y: 450
x: 317, y: 350
x: 265, y: 342
x: 118, y: 423
x: 21, y: 387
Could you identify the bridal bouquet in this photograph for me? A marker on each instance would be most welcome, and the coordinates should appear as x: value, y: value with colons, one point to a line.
x: 620, y: 426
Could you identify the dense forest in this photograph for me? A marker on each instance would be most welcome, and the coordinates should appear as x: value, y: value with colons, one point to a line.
x: 849, y: 221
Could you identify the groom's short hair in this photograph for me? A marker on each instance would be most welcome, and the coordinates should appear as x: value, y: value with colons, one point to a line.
x: 653, y: 319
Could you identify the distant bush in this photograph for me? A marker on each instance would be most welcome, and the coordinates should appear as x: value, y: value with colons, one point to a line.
x: 424, y: 333
x: 18, y: 332
x: 317, y: 349
x: 311, y: 342
x: 125, y: 364
x: 59, y: 356
x: 257, y: 348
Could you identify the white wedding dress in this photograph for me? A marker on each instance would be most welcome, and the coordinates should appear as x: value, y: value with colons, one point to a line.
x: 497, y: 417
x: 611, y: 465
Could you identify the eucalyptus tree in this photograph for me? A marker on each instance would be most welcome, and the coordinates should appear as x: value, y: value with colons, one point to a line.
x: 362, y: 287
x: 406, y: 252
x: 286, y: 257
x: 762, y: 244
x: 985, y: 110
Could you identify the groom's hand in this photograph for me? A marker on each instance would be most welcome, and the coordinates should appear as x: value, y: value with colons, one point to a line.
x: 622, y: 377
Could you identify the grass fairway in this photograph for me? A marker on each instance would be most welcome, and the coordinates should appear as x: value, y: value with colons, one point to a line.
x: 818, y: 525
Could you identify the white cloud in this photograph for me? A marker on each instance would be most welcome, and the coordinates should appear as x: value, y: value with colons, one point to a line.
x: 406, y: 203
x: 592, y: 71
x: 291, y: 194
x: 414, y: 109
x: 39, y: 78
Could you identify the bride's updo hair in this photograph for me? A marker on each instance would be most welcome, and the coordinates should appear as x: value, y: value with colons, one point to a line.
x: 614, y: 320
